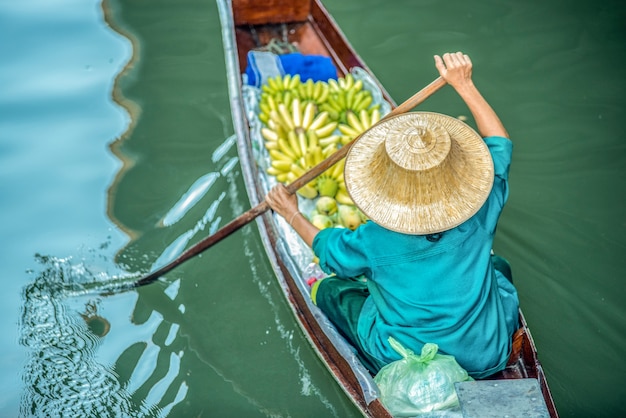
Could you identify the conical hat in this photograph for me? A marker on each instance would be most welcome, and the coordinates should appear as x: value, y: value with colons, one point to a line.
x: 419, y: 173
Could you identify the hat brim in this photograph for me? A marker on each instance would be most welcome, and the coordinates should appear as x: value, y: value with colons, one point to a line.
x: 419, y: 202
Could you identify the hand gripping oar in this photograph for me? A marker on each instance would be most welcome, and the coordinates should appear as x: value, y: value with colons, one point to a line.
x: 262, y: 207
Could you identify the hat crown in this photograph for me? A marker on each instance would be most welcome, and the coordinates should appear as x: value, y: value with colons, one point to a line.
x: 416, y: 144
x: 419, y: 172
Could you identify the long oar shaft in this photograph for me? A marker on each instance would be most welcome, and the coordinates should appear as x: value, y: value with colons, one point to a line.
x: 262, y: 207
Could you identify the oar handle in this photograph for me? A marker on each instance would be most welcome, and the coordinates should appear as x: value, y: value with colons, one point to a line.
x: 293, y: 187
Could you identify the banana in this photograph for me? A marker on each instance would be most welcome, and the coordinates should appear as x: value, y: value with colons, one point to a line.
x: 275, y: 120
x: 358, y: 85
x: 350, y: 98
x: 288, y: 97
x: 326, y: 130
x: 273, y: 84
x: 365, y: 103
x: 277, y: 127
x: 271, y: 102
x: 345, y: 139
x: 282, y: 177
x: 324, y: 92
x: 333, y: 84
x: 269, y: 134
x: 375, y: 116
x: 316, y: 152
x: 286, y: 79
x: 281, y: 165
x: 285, y: 116
x: 297, y: 170
x: 319, y: 121
x: 276, y: 155
x: 358, y: 99
x: 341, y: 101
x: 283, y: 145
x: 348, y: 130
x: 294, y: 81
x: 329, y: 140
x: 349, y: 81
x: 313, y: 140
x: 330, y: 149
x: 273, y: 171
x: 302, y: 142
x: 317, y: 90
x: 309, y: 159
x: 354, y: 121
x: 264, y: 117
x: 332, y: 104
x: 338, y: 169
x: 309, y: 115
x: 292, y: 139
x: 364, y: 118
x: 307, y: 191
x: 270, y: 145
x: 264, y: 107
x: 343, y: 197
x: 296, y: 113
x: 310, y: 89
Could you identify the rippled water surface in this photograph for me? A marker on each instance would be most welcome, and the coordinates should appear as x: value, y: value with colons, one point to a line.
x: 116, y: 152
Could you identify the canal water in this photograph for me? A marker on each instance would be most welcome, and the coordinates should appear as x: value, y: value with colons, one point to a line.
x: 116, y: 152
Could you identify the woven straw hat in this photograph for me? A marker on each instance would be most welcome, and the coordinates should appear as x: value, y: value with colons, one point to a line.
x: 419, y: 173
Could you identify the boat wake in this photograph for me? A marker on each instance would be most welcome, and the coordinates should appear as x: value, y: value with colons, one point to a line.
x: 61, y: 375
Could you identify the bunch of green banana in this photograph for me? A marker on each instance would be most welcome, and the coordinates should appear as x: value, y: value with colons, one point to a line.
x: 280, y: 84
x: 298, y: 139
x: 347, y: 94
x: 301, y: 120
x: 279, y: 89
x: 315, y: 92
x: 356, y: 125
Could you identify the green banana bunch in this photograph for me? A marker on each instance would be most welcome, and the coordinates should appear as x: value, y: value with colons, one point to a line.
x: 300, y: 128
x: 298, y: 139
x: 347, y: 94
x: 280, y: 84
x: 279, y: 89
x: 315, y: 92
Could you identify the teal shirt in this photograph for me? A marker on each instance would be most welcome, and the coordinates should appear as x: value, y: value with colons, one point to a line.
x: 445, y: 292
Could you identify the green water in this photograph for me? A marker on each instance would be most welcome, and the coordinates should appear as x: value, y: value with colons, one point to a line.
x: 106, y: 189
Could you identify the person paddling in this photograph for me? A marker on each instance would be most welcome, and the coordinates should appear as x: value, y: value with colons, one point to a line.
x: 421, y: 269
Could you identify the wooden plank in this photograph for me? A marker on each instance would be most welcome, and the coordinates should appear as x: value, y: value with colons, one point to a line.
x: 262, y: 12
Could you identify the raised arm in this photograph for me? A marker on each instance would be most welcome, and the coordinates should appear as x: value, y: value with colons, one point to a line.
x: 456, y: 69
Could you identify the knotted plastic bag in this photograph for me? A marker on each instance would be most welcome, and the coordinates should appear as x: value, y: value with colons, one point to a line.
x: 418, y: 384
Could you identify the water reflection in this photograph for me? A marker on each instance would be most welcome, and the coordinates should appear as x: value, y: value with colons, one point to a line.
x: 62, y: 376
x: 88, y: 354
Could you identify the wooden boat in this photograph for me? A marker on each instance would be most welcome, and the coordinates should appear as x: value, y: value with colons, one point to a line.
x: 250, y: 24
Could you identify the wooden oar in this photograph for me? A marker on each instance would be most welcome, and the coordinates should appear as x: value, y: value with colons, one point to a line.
x: 262, y: 207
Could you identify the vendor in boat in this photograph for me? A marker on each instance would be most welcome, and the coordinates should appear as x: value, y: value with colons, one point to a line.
x: 421, y: 270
